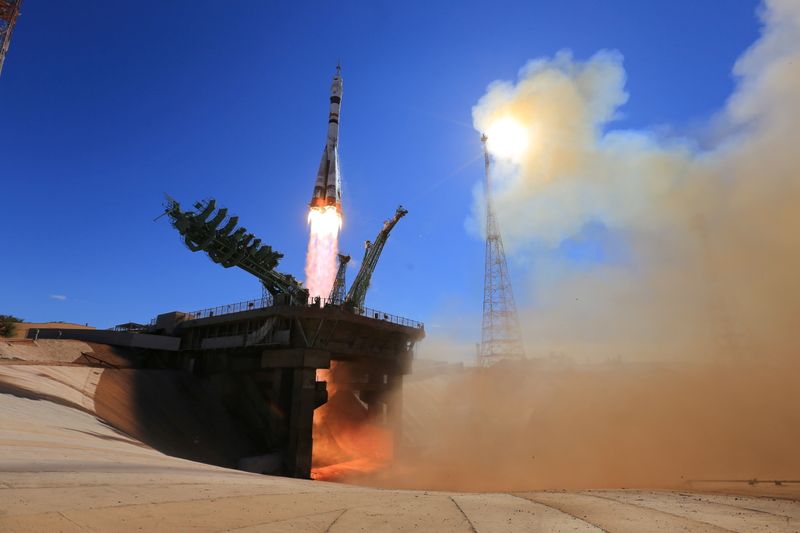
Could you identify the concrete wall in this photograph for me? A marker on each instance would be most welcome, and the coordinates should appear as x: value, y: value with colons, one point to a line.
x: 114, y: 338
x: 211, y: 343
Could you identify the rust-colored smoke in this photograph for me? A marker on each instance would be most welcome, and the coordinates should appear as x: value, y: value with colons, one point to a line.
x: 555, y: 424
x: 671, y: 352
x: 349, y: 440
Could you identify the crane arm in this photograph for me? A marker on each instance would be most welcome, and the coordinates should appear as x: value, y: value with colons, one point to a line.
x: 358, y: 290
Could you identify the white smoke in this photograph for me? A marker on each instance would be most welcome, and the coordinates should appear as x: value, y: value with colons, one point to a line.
x: 705, y: 241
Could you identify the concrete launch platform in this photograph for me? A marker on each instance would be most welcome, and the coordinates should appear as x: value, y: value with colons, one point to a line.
x: 250, y: 367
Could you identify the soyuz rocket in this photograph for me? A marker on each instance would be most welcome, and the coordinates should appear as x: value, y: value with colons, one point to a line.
x: 328, y: 187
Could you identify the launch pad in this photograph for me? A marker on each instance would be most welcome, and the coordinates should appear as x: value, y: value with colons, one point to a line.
x: 281, y: 347
x: 261, y: 359
x: 266, y: 363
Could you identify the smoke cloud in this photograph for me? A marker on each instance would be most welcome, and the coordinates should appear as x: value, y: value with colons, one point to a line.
x: 662, y: 295
x: 691, y: 251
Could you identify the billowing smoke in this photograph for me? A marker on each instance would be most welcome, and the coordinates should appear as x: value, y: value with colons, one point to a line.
x: 323, y: 245
x: 690, y: 250
x: 349, y: 438
x: 660, y: 296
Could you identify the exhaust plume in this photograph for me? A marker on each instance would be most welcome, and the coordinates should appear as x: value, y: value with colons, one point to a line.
x: 350, y: 441
x: 323, y: 245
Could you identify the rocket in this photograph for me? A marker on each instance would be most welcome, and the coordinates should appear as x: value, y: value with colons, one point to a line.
x: 328, y: 187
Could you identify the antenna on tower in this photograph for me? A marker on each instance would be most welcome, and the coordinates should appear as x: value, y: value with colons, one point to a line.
x: 500, y: 332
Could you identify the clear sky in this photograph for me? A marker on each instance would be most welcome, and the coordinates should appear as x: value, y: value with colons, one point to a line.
x: 107, y: 107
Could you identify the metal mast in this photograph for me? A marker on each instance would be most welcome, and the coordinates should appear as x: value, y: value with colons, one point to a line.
x: 358, y: 290
x: 9, y: 9
x: 500, y: 332
x: 339, y: 290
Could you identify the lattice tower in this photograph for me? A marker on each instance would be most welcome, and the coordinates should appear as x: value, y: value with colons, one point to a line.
x: 500, y: 331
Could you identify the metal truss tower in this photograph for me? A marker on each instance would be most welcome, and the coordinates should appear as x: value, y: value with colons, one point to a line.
x: 339, y: 290
x: 500, y: 331
x: 9, y: 9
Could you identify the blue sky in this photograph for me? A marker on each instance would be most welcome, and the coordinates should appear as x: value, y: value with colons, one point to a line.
x: 107, y: 107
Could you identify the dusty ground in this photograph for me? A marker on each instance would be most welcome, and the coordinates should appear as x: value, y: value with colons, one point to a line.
x: 62, y: 469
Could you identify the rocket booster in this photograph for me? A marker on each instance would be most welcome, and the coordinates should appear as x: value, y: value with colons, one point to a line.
x: 328, y: 187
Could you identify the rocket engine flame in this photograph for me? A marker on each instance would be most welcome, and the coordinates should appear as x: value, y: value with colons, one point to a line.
x: 350, y: 441
x: 323, y: 245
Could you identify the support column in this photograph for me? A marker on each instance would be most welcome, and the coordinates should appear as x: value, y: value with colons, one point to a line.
x: 301, y: 421
x: 306, y: 395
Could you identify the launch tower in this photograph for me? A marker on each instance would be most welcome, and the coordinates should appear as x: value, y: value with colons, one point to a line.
x: 500, y: 332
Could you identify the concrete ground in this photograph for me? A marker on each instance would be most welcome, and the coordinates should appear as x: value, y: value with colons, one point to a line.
x: 62, y: 469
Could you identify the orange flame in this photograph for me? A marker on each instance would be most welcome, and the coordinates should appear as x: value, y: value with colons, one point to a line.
x: 349, y: 441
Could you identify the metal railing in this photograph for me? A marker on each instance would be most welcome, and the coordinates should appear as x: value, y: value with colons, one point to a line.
x: 237, y: 307
x: 261, y: 303
x: 394, y: 319
x: 368, y: 312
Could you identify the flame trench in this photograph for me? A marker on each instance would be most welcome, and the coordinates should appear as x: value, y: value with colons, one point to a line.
x: 350, y: 441
x: 323, y: 245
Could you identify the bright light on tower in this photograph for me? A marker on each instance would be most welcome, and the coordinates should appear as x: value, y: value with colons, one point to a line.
x: 507, y: 138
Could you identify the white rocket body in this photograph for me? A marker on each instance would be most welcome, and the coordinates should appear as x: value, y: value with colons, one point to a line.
x: 328, y: 187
